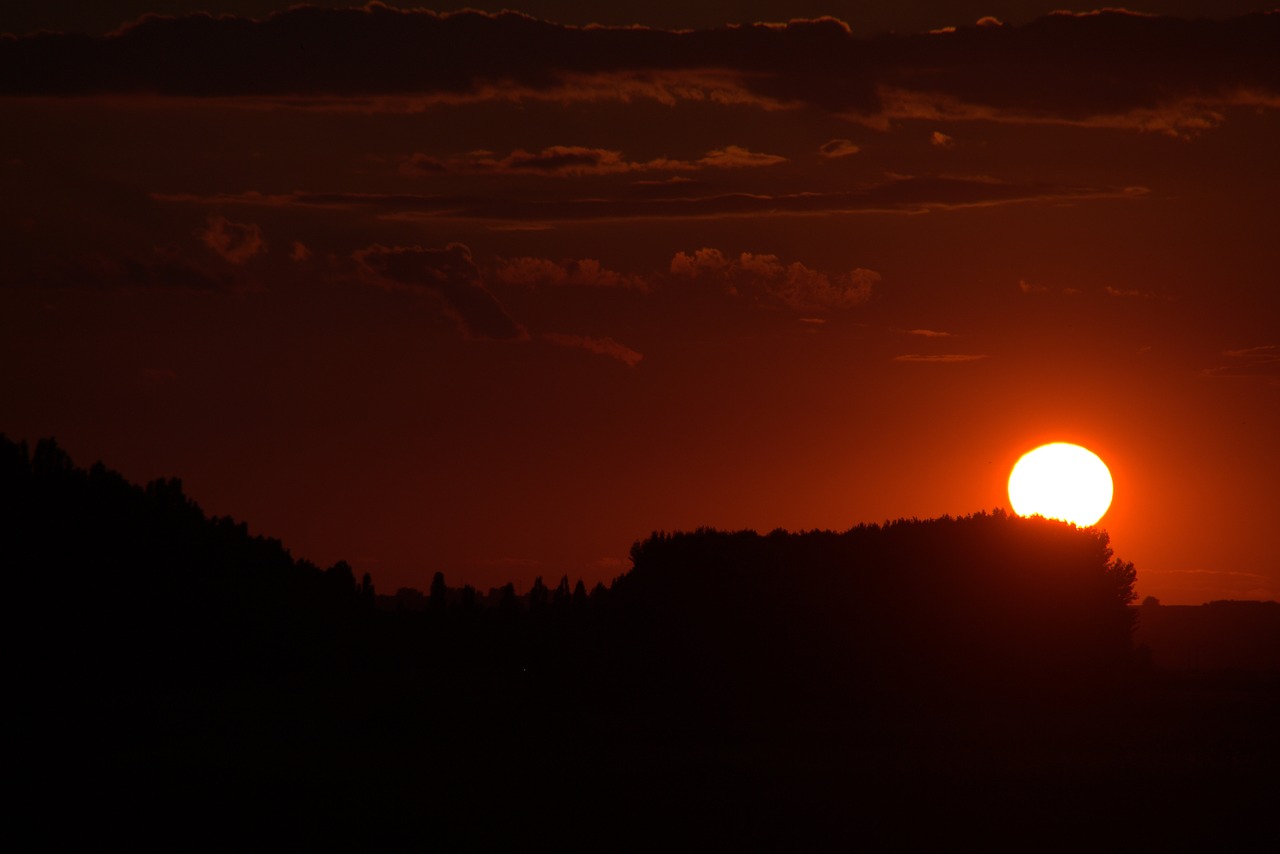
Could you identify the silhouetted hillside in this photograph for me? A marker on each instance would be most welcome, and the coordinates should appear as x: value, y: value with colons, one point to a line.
x: 144, y: 631
x: 139, y: 574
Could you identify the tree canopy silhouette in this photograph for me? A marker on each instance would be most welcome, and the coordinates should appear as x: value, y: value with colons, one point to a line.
x: 940, y: 602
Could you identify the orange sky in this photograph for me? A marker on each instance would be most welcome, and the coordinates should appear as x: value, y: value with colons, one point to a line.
x: 498, y: 296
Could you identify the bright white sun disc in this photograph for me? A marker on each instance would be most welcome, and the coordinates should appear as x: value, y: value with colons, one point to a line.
x: 1061, y: 481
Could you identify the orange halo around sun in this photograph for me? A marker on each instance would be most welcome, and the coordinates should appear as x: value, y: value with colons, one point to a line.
x: 1061, y: 481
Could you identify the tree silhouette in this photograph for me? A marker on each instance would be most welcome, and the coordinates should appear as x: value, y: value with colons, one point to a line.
x: 436, y: 599
x: 561, y: 596
x: 508, y: 602
x: 467, y: 599
x: 539, y: 595
x: 341, y: 576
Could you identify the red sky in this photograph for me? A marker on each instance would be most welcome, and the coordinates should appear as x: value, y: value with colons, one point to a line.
x: 499, y: 295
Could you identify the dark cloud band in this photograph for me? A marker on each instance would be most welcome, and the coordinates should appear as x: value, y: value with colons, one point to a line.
x: 1062, y: 67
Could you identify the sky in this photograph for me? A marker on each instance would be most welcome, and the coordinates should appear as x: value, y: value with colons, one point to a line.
x: 498, y: 295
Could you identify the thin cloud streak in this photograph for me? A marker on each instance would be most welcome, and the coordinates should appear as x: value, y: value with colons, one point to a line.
x: 578, y: 161
x: 899, y: 195
x: 599, y: 346
x: 1261, y: 362
x: 942, y: 358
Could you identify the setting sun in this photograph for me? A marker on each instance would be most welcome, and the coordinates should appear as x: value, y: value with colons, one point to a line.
x: 1061, y: 481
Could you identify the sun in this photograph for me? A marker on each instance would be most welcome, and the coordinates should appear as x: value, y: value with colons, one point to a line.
x: 1061, y: 481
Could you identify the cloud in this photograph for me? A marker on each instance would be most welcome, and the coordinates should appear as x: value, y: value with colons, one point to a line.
x: 308, y: 52
x: 577, y: 161
x: 910, y: 194
x: 165, y: 270
x: 941, y: 358
x: 737, y: 157
x: 418, y: 165
x: 1267, y: 353
x: 447, y: 273
x: 834, y: 148
x: 1260, y: 362
x: 1116, y: 292
x: 1073, y: 68
x: 233, y: 241
x: 299, y: 252
x: 1080, y: 70
x: 1067, y: 290
x: 941, y: 140
x: 543, y: 272
x: 1209, y: 584
x: 928, y: 333
x: 563, y: 160
x: 1182, y: 117
x: 599, y: 346
x: 1128, y: 293
x: 556, y: 160
x: 765, y: 279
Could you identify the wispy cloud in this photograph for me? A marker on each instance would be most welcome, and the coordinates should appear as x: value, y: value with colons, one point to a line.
x: 1129, y: 293
x: 897, y: 195
x: 577, y: 161
x: 600, y: 346
x: 941, y: 358
x: 449, y: 274
x: 737, y: 157
x: 1262, y: 362
x: 234, y: 241
x: 765, y: 278
x: 834, y: 148
x: 1036, y: 288
x: 543, y: 272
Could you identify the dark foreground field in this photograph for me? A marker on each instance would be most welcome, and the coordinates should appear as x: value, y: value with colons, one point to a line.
x: 422, y: 760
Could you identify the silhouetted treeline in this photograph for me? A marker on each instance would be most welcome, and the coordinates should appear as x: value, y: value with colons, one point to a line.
x: 1241, y: 635
x: 910, y: 604
x: 442, y: 597
x: 881, y: 686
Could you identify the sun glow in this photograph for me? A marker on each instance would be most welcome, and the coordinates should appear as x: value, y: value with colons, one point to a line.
x: 1061, y: 481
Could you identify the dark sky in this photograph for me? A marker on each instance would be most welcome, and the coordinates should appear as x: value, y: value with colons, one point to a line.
x: 497, y: 296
